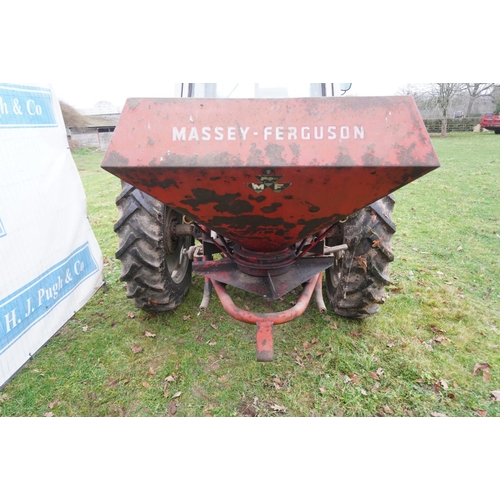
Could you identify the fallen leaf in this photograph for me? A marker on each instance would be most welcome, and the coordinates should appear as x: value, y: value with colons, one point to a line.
x: 388, y: 410
x: 135, y: 349
x: 322, y: 390
x: 496, y: 395
x: 211, y: 343
x: 279, y: 408
x: 207, y: 410
x: 278, y: 383
x: 149, y: 334
x: 186, y: 318
x: 146, y: 385
x: 307, y: 345
x: 435, y: 329
x: 485, y: 368
x: 151, y: 370
x: 439, y: 339
x: 177, y: 394
x: 373, y: 375
x: 112, y: 383
x: 353, y: 378
x: 131, y: 315
x: 437, y: 414
x: 355, y: 334
x: 85, y: 328
x: 48, y: 414
x: 214, y: 326
x: 482, y: 413
x: 53, y: 403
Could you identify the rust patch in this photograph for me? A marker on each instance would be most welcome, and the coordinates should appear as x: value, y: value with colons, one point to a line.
x: 344, y: 160
x: 295, y: 149
x: 258, y: 199
x: 115, y: 159
x: 226, y: 203
x: 314, y: 225
x: 274, y: 153
x: 255, y: 157
x: 271, y: 208
x: 406, y: 156
x: 252, y: 224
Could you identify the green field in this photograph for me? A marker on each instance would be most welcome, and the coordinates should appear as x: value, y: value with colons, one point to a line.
x: 433, y: 349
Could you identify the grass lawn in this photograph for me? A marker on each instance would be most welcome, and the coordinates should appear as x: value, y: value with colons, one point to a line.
x: 433, y: 349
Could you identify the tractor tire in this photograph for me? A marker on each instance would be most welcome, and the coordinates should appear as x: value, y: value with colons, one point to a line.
x: 356, y: 282
x: 154, y: 267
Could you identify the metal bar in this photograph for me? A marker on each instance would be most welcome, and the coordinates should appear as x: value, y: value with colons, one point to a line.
x: 318, y: 296
x: 277, y: 318
x: 265, y: 321
x: 265, y: 342
x: 207, y: 293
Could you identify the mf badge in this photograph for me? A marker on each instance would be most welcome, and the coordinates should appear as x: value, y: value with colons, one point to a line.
x: 269, y: 182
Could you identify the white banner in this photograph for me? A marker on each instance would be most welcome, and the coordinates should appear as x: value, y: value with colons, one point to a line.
x: 51, y: 263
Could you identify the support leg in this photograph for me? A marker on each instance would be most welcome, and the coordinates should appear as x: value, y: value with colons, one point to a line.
x: 265, y: 341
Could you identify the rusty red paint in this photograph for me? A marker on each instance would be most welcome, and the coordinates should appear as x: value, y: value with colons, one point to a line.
x: 265, y: 321
x: 268, y: 173
x: 265, y: 341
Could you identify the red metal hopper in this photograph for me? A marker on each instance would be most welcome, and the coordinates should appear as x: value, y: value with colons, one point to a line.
x: 267, y: 173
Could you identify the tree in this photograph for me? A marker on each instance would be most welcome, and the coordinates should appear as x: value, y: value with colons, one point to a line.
x: 444, y: 93
x: 476, y: 90
x: 423, y: 97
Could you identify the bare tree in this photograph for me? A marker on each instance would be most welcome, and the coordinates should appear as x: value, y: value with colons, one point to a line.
x: 476, y: 90
x: 444, y: 93
x: 415, y: 90
x: 423, y: 96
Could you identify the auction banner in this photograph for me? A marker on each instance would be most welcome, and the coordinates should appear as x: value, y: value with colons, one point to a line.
x: 50, y: 261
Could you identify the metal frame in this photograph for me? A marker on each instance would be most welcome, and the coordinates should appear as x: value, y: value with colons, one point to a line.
x: 270, y: 243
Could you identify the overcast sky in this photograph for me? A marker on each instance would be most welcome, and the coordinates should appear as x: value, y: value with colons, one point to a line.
x: 86, y: 94
x: 109, y: 51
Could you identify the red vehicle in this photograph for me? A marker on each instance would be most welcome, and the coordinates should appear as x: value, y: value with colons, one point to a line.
x: 266, y: 188
x: 491, y: 122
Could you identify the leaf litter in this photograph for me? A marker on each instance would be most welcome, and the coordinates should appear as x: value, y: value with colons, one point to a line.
x: 485, y: 368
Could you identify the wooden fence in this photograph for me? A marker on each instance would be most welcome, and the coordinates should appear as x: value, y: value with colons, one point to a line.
x: 454, y: 124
